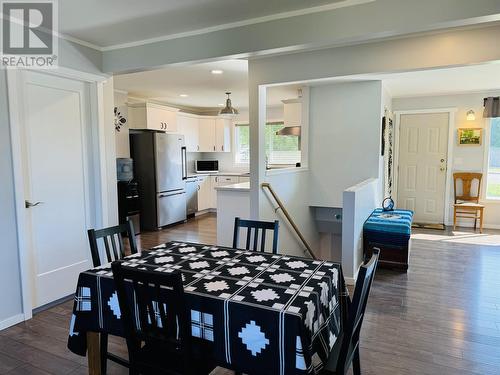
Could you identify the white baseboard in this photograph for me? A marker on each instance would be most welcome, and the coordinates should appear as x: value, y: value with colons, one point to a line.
x: 350, y: 280
x: 207, y: 211
x: 471, y: 225
x: 11, y: 321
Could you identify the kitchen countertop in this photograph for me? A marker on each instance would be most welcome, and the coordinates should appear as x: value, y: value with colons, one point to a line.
x: 242, y: 186
x: 240, y: 174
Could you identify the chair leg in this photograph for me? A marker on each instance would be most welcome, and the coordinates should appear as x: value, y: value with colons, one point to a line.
x: 356, y: 363
x: 481, y: 221
x: 104, y: 353
x: 475, y: 221
x: 454, y: 218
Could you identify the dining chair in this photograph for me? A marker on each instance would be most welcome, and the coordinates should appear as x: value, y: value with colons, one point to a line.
x: 348, y: 351
x: 466, y: 203
x: 113, y: 242
x: 256, y: 227
x: 114, y: 247
x: 156, y: 321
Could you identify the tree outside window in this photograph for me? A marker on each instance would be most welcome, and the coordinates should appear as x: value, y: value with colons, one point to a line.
x: 280, y: 150
x: 493, y: 176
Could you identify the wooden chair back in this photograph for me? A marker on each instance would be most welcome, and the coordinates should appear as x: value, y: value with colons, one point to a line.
x: 356, y: 311
x: 113, y: 242
x: 256, y: 227
x: 154, y: 311
x: 467, y: 179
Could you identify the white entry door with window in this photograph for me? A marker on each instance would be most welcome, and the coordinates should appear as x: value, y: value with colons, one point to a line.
x: 56, y: 161
x: 423, y: 148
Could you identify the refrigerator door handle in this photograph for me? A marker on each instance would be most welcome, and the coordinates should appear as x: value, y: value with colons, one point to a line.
x: 184, y: 162
x: 170, y: 194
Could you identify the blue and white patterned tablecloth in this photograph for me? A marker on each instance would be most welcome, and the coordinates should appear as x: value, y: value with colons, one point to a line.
x: 260, y: 313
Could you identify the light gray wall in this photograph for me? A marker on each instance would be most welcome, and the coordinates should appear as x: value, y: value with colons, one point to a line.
x: 465, y: 158
x: 345, y: 126
x: 10, y: 281
x: 353, y: 24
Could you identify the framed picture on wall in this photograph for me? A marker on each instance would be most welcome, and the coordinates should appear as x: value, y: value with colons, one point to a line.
x: 470, y: 136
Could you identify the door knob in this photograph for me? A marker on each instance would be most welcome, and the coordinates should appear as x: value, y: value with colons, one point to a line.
x: 29, y: 204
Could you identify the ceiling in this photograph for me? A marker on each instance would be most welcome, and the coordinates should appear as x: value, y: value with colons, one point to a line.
x: 442, y: 81
x: 204, y: 89
x: 113, y: 22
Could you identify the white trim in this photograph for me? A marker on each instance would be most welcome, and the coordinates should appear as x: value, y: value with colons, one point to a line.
x: 120, y: 91
x: 81, y: 42
x: 14, y: 82
x: 287, y: 170
x: 13, y: 320
x: 471, y: 225
x: 231, y: 25
x: 350, y: 280
x: 449, y: 158
x: 15, y: 79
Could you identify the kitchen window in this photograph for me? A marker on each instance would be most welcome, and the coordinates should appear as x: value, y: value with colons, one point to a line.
x: 281, y: 150
x: 493, y: 172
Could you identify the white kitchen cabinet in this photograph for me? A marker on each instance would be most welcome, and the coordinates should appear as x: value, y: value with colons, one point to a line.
x: 223, y: 135
x: 220, y: 181
x: 204, y: 193
x: 188, y: 125
x: 207, y: 134
x: 292, y: 112
x: 152, y: 116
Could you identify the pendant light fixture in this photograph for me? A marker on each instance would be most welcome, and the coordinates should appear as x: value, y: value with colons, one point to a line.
x: 228, y: 109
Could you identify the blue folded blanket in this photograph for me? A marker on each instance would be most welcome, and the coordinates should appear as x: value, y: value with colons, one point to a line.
x: 396, y: 222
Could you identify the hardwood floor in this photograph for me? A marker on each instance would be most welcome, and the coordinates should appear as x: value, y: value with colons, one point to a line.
x: 442, y: 317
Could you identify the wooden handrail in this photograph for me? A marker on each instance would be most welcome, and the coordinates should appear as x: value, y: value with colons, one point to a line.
x: 289, y: 218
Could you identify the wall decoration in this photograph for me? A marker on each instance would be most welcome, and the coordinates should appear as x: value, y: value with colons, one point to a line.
x: 120, y: 119
x: 382, y: 149
x: 388, y: 150
x: 470, y: 136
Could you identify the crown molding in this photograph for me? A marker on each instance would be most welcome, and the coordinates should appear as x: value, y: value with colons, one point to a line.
x: 231, y: 25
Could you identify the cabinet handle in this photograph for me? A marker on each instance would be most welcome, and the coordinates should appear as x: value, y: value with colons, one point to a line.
x: 222, y: 148
x: 198, y: 147
x: 214, y: 148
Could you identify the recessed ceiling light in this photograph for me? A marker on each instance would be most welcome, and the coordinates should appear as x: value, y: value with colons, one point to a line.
x: 216, y: 71
x: 221, y: 104
x: 183, y: 95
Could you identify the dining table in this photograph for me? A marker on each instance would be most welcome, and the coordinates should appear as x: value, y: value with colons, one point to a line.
x: 254, y: 312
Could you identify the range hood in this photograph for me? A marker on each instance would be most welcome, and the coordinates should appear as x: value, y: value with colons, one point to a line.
x: 289, y: 130
x: 292, y: 113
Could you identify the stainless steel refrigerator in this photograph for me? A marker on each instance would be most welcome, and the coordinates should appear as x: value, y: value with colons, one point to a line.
x: 160, y: 169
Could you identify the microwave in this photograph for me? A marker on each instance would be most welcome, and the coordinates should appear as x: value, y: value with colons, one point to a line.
x: 205, y: 166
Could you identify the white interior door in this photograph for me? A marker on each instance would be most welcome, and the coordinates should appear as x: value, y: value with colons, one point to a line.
x: 423, y: 147
x: 57, y: 139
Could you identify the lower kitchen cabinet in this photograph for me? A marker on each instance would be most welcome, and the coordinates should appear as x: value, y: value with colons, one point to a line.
x: 204, y: 193
x: 221, y: 181
x: 207, y: 195
x: 243, y: 179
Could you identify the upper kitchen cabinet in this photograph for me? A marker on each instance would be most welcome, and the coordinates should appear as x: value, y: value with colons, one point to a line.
x: 188, y: 125
x: 152, y: 116
x: 207, y: 134
x: 292, y: 112
x: 223, y: 135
